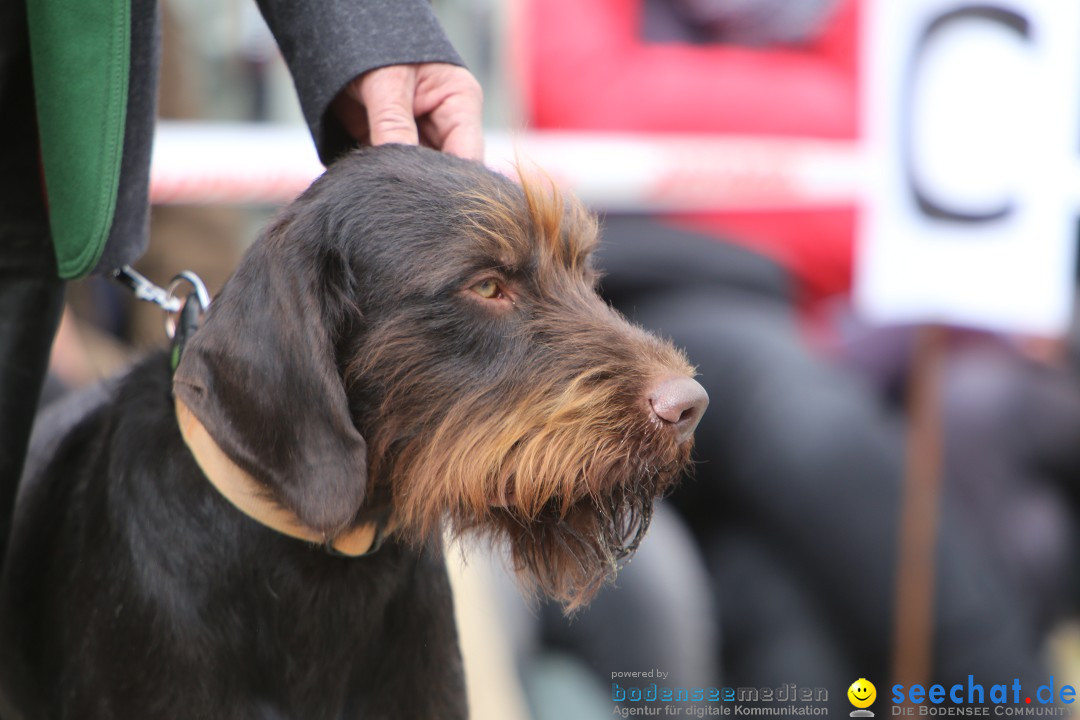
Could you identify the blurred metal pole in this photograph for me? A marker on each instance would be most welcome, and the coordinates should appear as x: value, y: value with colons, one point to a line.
x: 921, y: 496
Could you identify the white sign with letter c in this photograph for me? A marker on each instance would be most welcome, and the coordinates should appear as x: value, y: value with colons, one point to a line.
x: 972, y: 124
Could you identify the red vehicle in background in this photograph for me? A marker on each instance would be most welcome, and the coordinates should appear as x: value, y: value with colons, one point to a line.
x: 624, y: 66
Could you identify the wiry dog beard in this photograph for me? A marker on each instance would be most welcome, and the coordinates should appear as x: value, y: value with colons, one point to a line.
x: 568, y: 481
x: 571, y: 555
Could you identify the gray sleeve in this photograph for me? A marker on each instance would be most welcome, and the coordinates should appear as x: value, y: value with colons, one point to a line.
x: 327, y: 43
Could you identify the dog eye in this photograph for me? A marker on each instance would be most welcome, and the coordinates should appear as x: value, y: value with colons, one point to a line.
x: 488, y: 289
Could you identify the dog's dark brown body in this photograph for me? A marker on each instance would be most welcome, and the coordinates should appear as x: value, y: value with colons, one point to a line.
x: 411, y: 311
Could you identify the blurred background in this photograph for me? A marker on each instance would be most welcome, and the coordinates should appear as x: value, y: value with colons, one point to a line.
x: 743, y: 184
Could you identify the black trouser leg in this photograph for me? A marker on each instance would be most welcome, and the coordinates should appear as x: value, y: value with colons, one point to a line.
x: 30, y: 293
x: 29, y: 313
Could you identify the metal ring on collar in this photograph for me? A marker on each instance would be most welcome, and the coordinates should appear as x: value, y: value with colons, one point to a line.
x: 201, y: 294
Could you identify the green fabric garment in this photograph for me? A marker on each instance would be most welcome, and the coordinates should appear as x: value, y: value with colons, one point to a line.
x: 80, y: 50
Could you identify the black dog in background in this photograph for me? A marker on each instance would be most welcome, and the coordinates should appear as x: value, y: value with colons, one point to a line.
x: 416, y: 340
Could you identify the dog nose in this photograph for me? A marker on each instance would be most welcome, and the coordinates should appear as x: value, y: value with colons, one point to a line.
x: 679, y: 403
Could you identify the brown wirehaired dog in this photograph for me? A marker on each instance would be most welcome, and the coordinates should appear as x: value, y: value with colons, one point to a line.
x: 415, y: 340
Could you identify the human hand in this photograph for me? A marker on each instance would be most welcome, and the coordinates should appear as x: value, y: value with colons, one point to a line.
x: 433, y: 104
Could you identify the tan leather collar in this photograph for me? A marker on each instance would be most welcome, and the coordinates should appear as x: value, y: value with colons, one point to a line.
x: 243, y: 491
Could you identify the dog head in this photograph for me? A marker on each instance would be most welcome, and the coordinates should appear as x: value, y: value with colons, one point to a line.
x: 449, y: 318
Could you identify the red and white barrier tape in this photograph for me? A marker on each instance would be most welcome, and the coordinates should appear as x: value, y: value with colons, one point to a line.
x: 203, y: 163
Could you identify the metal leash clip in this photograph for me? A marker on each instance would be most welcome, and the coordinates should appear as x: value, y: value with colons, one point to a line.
x: 181, y: 326
x: 130, y: 278
x: 182, y: 315
x: 198, y: 299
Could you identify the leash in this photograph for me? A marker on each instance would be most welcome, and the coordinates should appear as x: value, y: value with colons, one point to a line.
x: 182, y: 316
x: 182, y: 319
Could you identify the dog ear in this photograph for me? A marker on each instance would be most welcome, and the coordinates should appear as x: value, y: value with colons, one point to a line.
x: 261, y: 375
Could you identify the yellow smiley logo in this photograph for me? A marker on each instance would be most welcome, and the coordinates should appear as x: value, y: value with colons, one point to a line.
x: 862, y: 693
